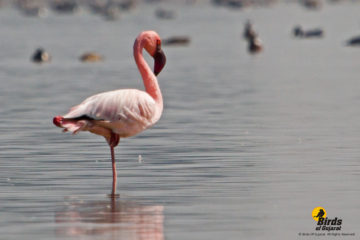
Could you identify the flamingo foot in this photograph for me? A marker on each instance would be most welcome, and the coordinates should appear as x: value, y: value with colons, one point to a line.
x: 113, y: 195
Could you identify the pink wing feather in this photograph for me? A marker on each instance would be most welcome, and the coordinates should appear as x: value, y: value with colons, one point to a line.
x: 125, y: 112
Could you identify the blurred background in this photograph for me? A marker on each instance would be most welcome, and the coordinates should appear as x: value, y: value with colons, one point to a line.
x: 261, y: 122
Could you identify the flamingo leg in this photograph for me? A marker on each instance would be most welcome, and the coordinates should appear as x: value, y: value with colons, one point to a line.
x: 113, y: 141
x: 113, y: 192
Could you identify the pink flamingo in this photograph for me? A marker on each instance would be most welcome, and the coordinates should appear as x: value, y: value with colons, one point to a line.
x: 124, y: 112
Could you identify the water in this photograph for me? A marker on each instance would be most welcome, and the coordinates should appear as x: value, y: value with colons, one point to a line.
x: 246, y: 148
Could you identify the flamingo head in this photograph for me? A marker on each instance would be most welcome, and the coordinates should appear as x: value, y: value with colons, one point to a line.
x: 153, y: 47
x: 159, y: 58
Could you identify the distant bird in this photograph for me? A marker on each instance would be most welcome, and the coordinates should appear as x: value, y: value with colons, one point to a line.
x: 176, y: 40
x: 254, y: 44
x: 127, y: 4
x: 355, y: 41
x: 236, y: 4
x: 34, y: 11
x: 312, y: 33
x: 111, y: 12
x: 311, y: 4
x: 40, y: 56
x: 65, y: 6
x: 124, y: 112
x: 165, y: 14
x: 91, y: 57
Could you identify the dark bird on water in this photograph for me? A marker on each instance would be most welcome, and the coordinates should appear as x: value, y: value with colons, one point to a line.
x: 355, y: 41
x: 177, y: 40
x: 254, y: 44
x: 40, y: 56
x: 312, y: 33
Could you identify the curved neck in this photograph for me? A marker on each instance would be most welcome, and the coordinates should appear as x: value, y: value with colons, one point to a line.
x: 150, y: 81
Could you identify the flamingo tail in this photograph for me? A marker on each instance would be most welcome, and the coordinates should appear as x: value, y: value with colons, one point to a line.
x: 71, y: 125
x: 57, y: 121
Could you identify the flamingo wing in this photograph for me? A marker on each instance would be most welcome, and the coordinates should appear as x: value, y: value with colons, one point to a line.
x: 126, y: 112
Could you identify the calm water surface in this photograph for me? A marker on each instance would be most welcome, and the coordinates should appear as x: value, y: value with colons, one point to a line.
x: 246, y: 148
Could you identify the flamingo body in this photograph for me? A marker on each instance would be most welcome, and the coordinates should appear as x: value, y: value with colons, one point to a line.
x: 124, y: 112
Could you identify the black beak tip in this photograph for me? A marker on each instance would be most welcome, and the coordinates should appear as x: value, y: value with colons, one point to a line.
x: 160, y: 61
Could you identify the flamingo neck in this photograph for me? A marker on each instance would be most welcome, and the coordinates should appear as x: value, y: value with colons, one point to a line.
x: 150, y: 81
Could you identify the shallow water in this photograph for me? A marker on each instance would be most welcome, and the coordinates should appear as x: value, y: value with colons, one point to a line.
x: 247, y: 147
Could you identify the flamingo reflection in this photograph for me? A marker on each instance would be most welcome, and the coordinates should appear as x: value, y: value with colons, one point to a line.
x: 111, y: 219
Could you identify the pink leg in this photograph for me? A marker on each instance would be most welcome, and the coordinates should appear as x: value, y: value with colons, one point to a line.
x: 113, y: 142
x: 113, y: 171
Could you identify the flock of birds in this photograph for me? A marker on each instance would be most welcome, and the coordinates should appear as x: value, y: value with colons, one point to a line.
x: 42, y: 56
x: 110, y: 10
x: 255, y: 44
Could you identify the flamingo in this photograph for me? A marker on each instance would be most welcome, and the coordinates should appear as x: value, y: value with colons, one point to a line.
x: 124, y: 112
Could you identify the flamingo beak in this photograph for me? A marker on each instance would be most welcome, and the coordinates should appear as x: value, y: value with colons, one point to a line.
x: 159, y: 59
